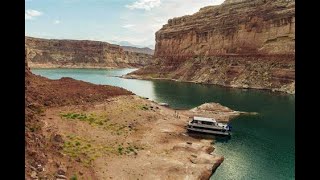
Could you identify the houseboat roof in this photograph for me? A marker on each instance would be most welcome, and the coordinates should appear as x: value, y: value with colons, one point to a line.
x: 204, y: 119
x: 163, y: 104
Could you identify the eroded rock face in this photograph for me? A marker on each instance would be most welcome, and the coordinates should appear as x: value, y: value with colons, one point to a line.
x: 42, y: 153
x: 248, y: 27
x: 240, y: 43
x: 45, y: 53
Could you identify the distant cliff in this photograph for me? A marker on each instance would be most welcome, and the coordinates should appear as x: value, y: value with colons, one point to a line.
x: 145, y: 50
x: 45, y: 53
x: 240, y: 43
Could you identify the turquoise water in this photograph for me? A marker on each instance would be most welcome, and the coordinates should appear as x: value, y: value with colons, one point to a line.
x: 261, y: 147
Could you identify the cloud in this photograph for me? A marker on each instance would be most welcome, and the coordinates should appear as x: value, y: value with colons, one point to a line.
x: 30, y: 14
x: 56, y: 22
x: 148, y: 22
x: 137, y: 22
x: 128, y: 26
x: 144, y: 4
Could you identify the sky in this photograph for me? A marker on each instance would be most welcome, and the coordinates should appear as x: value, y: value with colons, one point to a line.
x: 134, y: 21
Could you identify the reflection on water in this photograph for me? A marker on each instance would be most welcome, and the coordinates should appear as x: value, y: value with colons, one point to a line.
x: 261, y: 147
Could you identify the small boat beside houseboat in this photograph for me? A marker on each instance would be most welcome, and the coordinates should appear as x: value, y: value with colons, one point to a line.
x: 208, y: 125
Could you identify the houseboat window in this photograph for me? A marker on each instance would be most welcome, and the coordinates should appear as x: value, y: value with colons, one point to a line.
x: 195, y: 121
x: 207, y: 123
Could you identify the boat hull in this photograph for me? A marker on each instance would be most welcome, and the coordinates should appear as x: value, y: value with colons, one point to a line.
x: 226, y: 133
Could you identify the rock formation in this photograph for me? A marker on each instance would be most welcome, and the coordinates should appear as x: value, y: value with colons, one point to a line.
x: 44, y: 53
x: 43, y: 156
x: 240, y: 43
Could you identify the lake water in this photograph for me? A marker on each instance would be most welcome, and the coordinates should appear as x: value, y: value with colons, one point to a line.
x: 261, y: 147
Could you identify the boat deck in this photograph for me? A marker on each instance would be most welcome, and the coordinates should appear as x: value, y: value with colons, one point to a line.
x: 208, y: 131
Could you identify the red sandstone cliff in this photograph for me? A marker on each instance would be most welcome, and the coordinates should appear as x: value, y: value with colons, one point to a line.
x: 81, y: 54
x: 240, y: 43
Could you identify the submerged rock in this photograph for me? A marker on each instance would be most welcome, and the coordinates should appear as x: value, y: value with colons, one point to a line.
x: 219, y: 112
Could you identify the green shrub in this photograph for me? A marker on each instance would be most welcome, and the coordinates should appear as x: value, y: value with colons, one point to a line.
x: 74, y: 177
x: 144, y: 107
x: 120, y: 149
x: 96, y: 120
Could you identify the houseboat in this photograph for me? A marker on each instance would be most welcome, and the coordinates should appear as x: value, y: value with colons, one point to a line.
x: 208, y: 125
x: 164, y: 104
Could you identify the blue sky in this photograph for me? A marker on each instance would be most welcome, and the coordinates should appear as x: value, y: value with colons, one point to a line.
x: 135, y: 21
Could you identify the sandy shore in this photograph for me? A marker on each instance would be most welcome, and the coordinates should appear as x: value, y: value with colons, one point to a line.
x: 78, y: 129
x: 134, y: 138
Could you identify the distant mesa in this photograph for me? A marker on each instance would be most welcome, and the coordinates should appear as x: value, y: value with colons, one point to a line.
x: 128, y: 44
x: 144, y: 50
x: 66, y: 53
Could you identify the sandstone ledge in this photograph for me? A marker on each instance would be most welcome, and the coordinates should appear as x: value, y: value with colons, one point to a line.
x: 53, y: 53
x: 162, y: 147
x: 266, y: 72
x: 155, y: 141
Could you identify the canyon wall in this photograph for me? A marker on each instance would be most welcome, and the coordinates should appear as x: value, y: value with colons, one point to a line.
x: 240, y: 43
x: 44, y: 53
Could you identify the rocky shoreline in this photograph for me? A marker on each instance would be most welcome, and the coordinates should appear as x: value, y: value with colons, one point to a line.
x: 78, y: 129
x: 290, y: 90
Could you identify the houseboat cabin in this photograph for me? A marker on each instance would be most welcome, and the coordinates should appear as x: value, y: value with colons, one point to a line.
x: 208, y: 125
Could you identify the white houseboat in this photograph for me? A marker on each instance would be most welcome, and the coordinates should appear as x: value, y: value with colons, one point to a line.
x: 208, y: 125
x: 164, y: 104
